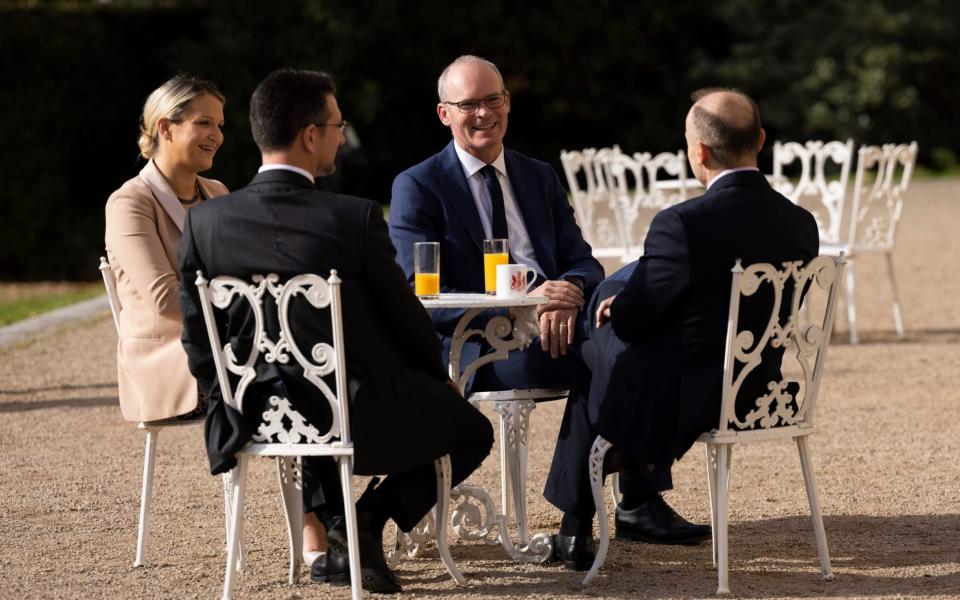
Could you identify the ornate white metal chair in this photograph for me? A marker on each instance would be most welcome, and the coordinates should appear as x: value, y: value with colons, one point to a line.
x: 883, y: 174
x: 152, y: 429
x: 786, y: 411
x: 640, y: 191
x: 595, y: 205
x: 822, y: 184
x: 284, y: 433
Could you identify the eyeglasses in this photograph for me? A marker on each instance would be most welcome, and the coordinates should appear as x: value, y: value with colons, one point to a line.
x: 493, y: 101
x: 341, y: 126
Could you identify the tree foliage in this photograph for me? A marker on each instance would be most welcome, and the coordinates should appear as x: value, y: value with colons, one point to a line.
x: 581, y: 73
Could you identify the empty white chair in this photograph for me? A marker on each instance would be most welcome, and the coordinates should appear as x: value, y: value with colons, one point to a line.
x: 822, y: 184
x: 883, y: 174
x: 594, y: 204
x: 284, y: 433
x: 786, y: 411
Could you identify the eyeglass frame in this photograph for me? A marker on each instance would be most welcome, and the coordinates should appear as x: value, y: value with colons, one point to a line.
x: 341, y: 126
x: 504, y: 95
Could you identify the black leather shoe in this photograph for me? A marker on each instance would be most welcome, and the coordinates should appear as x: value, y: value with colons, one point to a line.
x: 373, y: 566
x: 576, y: 552
x: 332, y: 567
x: 655, y: 522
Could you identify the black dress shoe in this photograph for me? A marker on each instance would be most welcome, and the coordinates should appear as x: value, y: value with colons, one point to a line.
x: 655, y: 522
x: 332, y: 567
x: 576, y: 552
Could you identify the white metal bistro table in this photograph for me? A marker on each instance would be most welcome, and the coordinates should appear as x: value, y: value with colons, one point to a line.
x: 474, y: 515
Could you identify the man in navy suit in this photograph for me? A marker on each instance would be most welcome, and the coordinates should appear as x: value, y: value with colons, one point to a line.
x: 476, y: 189
x: 649, y: 376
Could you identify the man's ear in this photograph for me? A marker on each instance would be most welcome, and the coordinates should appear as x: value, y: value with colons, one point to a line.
x: 443, y: 113
x: 703, y: 153
x: 763, y: 138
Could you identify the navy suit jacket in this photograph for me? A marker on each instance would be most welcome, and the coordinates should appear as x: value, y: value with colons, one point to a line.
x: 432, y: 202
x: 656, y: 368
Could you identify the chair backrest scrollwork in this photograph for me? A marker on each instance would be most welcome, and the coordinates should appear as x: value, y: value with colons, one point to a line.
x: 798, y: 338
x: 593, y: 202
x: 822, y: 184
x: 281, y: 421
x: 877, y: 204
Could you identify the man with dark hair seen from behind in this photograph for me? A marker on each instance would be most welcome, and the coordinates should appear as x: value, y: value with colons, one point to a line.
x: 400, y: 395
x: 649, y: 378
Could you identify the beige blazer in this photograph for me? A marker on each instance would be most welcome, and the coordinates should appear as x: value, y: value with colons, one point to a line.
x: 144, y: 221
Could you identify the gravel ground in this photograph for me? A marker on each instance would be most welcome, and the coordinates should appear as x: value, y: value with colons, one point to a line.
x: 885, y: 457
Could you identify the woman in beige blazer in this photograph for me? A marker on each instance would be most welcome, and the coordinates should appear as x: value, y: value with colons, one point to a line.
x: 180, y: 132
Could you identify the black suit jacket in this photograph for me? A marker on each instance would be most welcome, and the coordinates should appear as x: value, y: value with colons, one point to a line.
x: 657, y: 367
x: 282, y: 223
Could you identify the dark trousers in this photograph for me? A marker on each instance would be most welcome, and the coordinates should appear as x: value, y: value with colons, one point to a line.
x: 406, y: 496
x: 568, y: 483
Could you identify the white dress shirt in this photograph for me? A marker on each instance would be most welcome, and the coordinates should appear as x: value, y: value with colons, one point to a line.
x: 281, y: 166
x: 520, y: 247
x: 727, y: 172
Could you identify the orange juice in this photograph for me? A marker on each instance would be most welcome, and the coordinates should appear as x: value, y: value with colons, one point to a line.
x: 426, y: 284
x: 490, y: 262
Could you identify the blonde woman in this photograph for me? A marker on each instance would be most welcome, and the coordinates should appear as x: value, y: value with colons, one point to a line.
x: 180, y: 132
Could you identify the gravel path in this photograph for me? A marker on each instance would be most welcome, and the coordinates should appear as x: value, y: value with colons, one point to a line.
x: 885, y: 456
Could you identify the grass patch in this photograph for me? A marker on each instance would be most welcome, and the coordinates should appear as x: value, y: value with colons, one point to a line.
x: 27, y: 303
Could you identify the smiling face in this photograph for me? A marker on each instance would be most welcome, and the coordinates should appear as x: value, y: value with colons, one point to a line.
x: 481, y: 133
x: 193, y: 141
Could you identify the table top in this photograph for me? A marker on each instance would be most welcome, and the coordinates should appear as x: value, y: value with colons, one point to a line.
x: 480, y: 301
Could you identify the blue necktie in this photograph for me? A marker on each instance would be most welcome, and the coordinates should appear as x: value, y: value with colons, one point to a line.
x: 498, y: 220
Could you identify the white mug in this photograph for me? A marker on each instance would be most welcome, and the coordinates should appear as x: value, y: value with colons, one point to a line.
x: 514, y: 281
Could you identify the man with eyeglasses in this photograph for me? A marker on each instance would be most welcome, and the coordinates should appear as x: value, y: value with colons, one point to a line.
x: 400, y: 394
x: 476, y: 189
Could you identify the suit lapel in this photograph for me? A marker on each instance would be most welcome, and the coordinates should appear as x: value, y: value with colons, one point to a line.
x: 164, y: 194
x: 455, y: 190
x: 530, y: 201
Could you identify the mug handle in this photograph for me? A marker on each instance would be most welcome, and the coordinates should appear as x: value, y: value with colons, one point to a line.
x: 531, y: 281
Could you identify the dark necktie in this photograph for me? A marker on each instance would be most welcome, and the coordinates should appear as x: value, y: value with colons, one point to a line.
x: 498, y: 220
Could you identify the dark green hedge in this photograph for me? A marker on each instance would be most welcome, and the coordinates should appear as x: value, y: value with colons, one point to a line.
x: 581, y: 73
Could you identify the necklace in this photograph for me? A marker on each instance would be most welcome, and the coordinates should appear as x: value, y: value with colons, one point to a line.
x: 196, y: 194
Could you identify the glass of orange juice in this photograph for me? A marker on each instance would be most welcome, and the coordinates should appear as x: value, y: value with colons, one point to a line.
x: 426, y: 269
x: 495, y: 252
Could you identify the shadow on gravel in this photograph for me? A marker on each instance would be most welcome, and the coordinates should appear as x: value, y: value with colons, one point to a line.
x: 911, y: 336
x: 9, y: 407
x: 60, y: 388
x: 769, y: 558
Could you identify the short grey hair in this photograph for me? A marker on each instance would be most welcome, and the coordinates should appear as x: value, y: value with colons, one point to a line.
x: 727, y: 140
x: 464, y: 60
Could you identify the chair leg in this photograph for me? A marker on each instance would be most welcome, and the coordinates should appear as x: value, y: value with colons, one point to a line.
x: 851, y: 303
x: 146, y: 494
x: 235, y: 532
x: 227, y: 479
x: 815, y: 515
x: 350, y: 514
x: 597, y: 452
x: 712, y: 495
x: 292, y: 494
x: 724, y: 459
x: 443, y: 503
x: 897, y: 314
x: 615, y: 493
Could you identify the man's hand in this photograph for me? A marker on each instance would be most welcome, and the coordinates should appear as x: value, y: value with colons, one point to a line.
x: 562, y: 295
x: 556, y: 329
x: 603, y: 310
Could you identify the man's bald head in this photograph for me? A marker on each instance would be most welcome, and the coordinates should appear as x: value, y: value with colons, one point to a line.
x: 727, y: 121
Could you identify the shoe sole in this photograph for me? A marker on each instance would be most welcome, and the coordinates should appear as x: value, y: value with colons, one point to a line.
x: 637, y: 537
